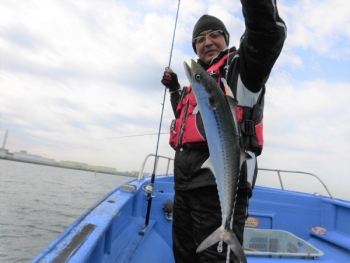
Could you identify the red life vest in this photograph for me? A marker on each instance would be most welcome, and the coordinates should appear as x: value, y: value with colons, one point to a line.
x: 188, y: 130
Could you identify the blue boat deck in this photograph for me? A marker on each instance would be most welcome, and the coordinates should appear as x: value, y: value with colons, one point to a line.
x: 109, y: 231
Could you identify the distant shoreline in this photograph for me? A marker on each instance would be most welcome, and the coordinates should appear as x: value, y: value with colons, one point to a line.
x: 68, y: 167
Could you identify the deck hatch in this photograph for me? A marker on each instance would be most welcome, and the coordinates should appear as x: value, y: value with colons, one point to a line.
x: 131, y: 188
x: 279, y: 243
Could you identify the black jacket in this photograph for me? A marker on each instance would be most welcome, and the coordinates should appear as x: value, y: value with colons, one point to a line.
x: 249, y: 70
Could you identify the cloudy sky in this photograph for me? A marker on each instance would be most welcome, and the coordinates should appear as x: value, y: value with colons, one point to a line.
x: 77, y: 78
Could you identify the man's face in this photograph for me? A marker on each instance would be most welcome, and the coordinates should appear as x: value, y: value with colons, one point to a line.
x: 209, y: 44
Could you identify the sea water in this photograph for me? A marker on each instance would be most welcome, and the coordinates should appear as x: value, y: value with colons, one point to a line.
x: 38, y: 202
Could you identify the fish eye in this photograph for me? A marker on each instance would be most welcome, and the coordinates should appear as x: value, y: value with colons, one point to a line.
x: 198, y: 77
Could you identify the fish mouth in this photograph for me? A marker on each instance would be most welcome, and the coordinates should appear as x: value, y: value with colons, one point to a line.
x: 188, y: 71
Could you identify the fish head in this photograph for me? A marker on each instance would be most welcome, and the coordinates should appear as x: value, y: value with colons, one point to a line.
x: 203, y: 85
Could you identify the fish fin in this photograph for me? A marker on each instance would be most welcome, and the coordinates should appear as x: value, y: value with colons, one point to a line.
x: 243, y: 156
x: 212, y: 102
x: 196, y: 110
x: 231, y: 100
x: 208, y: 164
x: 210, y: 240
x: 231, y: 239
x: 188, y: 72
x: 232, y: 103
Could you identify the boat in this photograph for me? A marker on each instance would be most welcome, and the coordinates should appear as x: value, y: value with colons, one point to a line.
x: 283, y: 225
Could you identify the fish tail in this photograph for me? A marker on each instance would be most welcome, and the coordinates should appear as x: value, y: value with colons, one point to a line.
x: 229, y: 238
x: 210, y: 240
x: 235, y: 246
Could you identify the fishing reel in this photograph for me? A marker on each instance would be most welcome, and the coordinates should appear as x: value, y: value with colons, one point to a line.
x: 148, y: 189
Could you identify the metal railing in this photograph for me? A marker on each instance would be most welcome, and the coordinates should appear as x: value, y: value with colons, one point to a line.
x: 299, y: 172
x: 156, y: 165
x: 278, y: 171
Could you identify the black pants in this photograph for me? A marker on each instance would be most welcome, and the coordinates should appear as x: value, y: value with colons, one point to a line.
x: 197, y: 214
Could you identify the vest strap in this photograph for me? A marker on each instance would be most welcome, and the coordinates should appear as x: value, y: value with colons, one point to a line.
x: 248, y: 127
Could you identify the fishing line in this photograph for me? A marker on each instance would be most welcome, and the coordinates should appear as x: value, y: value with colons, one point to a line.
x: 165, y: 89
x: 149, y: 190
x: 135, y: 135
x: 228, y: 255
x: 228, y: 48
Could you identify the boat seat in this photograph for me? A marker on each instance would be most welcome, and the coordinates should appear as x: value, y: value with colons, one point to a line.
x: 335, y: 237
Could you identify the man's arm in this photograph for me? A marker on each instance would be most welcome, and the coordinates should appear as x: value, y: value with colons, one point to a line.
x: 170, y: 81
x: 174, y: 99
x: 261, y: 43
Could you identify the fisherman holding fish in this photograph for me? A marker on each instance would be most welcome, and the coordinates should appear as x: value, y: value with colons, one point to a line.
x: 199, y: 203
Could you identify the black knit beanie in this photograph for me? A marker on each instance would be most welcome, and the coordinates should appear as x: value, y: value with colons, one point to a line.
x: 209, y: 22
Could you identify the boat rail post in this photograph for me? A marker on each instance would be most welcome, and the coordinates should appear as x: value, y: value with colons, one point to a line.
x: 167, y: 168
x: 149, y: 188
x: 298, y: 172
x: 143, y: 167
x: 279, y: 177
x: 144, y: 163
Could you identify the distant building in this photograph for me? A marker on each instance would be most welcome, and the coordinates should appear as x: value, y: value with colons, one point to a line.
x: 92, y: 167
x: 74, y: 164
x: 23, y: 155
x: 48, y: 160
x: 5, y: 139
x: 106, y: 169
x: 3, y: 152
x: 102, y: 169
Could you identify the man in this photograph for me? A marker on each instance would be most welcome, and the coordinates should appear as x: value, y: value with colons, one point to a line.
x: 246, y: 70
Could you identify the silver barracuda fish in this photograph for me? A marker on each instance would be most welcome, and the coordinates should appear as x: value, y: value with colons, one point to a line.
x: 218, y: 112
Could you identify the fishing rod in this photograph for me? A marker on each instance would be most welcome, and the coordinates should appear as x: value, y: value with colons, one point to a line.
x: 149, y: 188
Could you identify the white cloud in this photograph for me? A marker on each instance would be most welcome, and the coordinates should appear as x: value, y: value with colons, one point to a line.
x: 306, y: 128
x: 318, y: 25
x: 309, y: 110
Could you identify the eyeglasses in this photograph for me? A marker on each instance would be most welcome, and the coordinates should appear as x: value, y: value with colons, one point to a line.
x: 212, y: 35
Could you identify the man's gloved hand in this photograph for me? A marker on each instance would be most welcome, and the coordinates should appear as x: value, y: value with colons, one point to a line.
x: 169, y: 79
